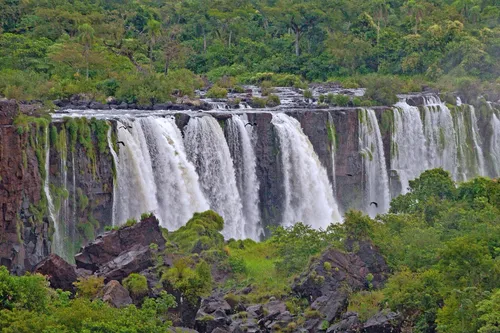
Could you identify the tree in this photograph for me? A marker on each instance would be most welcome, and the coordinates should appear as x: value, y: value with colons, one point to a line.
x: 86, y: 38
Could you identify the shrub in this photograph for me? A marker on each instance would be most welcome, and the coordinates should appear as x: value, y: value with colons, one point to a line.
x: 136, y: 284
x: 382, y: 89
x: 237, y: 264
x: 366, y: 303
x: 258, y: 103
x: 89, y: 287
x: 308, y: 94
x: 341, y: 100
x: 273, y: 100
x: 217, y: 92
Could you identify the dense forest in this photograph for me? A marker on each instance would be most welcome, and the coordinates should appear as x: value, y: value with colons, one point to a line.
x: 147, y: 50
x: 441, y: 243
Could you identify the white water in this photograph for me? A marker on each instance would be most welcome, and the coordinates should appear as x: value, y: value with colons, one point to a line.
x: 136, y: 190
x: 240, y: 141
x: 115, y: 183
x: 58, y: 243
x: 154, y: 174
x: 476, y: 139
x: 440, y: 136
x: 408, y: 144
x: 178, y: 192
x: 333, y: 148
x: 207, y: 149
x: 495, y: 144
x: 375, y: 170
x: 308, y: 192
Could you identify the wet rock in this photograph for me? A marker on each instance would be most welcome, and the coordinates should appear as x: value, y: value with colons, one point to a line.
x: 331, y: 305
x: 115, y: 294
x: 181, y: 330
x: 162, y: 106
x: 60, y: 273
x: 98, y: 106
x: 113, y: 244
x: 374, y: 261
x: 213, y: 314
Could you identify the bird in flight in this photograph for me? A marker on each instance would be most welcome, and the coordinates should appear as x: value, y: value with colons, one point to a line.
x: 374, y: 203
x: 349, y: 174
x: 126, y: 127
x: 254, y: 124
x: 121, y: 143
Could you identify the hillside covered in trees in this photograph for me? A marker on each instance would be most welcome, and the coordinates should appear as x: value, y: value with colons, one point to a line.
x: 143, y: 50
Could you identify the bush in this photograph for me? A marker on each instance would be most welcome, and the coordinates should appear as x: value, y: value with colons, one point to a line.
x: 366, y: 304
x: 341, y: 100
x: 136, y: 284
x: 258, y: 103
x: 383, y: 89
x: 308, y: 94
x: 272, y: 101
x: 217, y: 92
x: 89, y: 287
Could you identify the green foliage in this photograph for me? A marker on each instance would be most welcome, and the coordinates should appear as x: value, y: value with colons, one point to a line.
x: 217, y: 92
x: 89, y: 287
x: 28, y: 291
x: 136, y: 284
x: 297, y: 244
x: 366, y: 303
x: 201, y: 232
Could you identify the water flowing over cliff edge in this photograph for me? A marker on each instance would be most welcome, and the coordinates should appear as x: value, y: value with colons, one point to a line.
x: 256, y: 167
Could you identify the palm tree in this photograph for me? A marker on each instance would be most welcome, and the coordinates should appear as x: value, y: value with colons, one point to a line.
x: 86, y: 38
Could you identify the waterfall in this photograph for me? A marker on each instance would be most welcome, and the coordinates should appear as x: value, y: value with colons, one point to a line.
x: 372, y: 151
x: 58, y: 243
x: 207, y: 149
x: 135, y: 187
x: 463, y: 152
x: 115, y: 183
x: 64, y: 211
x: 476, y: 139
x: 308, y: 192
x: 495, y: 144
x: 178, y: 192
x: 240, y: 139
x: 74, y: 217
x: 440, y: 136
x: 408, y: 144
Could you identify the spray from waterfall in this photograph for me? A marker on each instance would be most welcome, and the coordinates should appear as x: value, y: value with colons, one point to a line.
x: 308, y: 192
x: 207, y: 149
x: 240, y: 142
x: 377, y: 194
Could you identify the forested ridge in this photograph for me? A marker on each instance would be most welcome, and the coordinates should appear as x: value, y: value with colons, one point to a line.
x: 148, y: 50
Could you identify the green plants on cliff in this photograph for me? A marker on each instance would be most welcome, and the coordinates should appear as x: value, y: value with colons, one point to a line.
x: 217, y: 92
x: 24, y: 123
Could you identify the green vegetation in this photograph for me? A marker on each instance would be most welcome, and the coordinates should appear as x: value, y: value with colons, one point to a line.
x: 148, y: 52
x: 136, y: 284
x: 27, y: 305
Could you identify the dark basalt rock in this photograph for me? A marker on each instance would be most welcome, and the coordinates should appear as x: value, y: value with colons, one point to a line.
x: 115, y: 294
x: 61, y: 274
x: 114, y: 244
x: 349, y: 324
x: 134, y: 260
x: 374, y: 261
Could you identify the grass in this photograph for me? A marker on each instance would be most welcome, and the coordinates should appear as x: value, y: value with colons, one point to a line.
x: 260, y: 271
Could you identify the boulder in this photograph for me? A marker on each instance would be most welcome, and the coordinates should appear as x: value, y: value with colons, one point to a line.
x: 115, y: 294
x: 331, y: 305
x: 136, y: 259
x: 349, y: 324
x: 213, y: 314
x: 181, y: 330
x: 374, y: 261
x: 113, y: 244
x: 60, y: 273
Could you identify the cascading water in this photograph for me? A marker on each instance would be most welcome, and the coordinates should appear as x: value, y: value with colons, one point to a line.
x: 308, y: 192
x: 333, y: 148
x: 476, y: 139
x: 440, y: 136
x: 135, y: 186
x: 240, y: 137
x: 178, y: 192
x: 207, y: 149
x: 58, y: 243
x: 375, y: 170
x: 495, y: 144
x: 408, y: 144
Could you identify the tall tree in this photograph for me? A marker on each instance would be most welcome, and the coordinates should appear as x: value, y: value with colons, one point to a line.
x: 86, y: 38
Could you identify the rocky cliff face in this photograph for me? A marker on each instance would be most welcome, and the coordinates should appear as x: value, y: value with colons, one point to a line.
x: 23, y: 241
x: 80, y: 187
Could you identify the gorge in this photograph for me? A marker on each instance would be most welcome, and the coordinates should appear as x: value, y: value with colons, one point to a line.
x: 88, y: 169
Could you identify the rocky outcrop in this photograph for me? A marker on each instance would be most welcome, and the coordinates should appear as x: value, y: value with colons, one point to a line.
x: 23, y: 243
x: 115, y: 294
x: 61, y: 274
x: 118, y: 249
x: 382, y: 322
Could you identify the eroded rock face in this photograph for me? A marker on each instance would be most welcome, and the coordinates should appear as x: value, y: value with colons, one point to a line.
x: 110, y: 249
x: 61, y: 274
x: 22, y: 243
